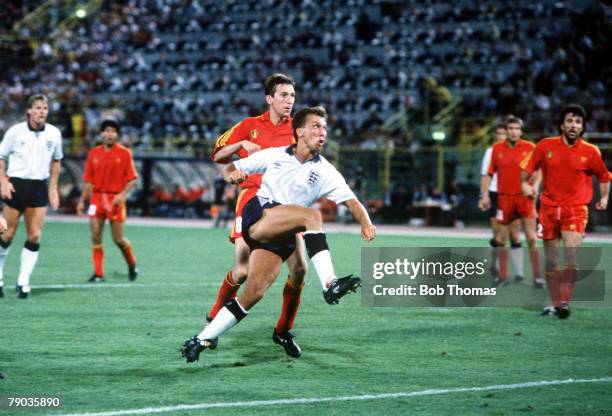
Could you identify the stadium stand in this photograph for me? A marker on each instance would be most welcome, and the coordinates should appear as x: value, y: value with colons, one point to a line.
x: 177, y: 73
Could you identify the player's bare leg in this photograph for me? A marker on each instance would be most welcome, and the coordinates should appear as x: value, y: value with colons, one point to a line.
x: 501, y: 237
x: 283, y: 221
x: 529, y: 226
x: 264, y: 267
x: 126, y: 248
x: 11, y: 215
x: 516, y: 251
x: 233, y: 279
x: 571, y: 242
x: 34, y: 219
x: 553, y: 275
x: 96, y: 226
x: 241, y: 255
x: 494, y: 269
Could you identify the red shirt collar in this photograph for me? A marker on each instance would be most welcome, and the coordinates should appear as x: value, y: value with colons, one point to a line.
x: 266, y: 117
x: 579, y: 141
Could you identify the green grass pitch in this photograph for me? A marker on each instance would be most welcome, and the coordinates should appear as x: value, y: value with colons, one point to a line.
x: 115, y: 347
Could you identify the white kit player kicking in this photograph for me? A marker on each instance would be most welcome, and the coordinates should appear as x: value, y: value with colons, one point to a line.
x: 295, y: 177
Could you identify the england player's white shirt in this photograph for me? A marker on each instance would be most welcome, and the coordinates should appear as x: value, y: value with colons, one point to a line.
x: 289, y: 181
x: 28, y: 152
x: 484, y: 170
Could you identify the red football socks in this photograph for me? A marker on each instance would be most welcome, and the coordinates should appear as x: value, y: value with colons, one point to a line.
x: 292, y: 295
x: 227, y: 291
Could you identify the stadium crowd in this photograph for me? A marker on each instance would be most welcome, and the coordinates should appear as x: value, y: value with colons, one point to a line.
x: 168, y: 66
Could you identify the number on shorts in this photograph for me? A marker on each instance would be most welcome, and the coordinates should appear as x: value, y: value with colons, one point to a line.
x: 238, y: 224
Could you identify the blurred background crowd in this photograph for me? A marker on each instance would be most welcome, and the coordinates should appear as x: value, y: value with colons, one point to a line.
x: 177, y: 73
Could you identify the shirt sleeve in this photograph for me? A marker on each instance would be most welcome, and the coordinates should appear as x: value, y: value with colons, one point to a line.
x: 130, y: 169
x: 336, y: 188
x: 258, y: 162
x: 236, y: 134
x: 486, y: 161
x: 58, y: 152
x: 492, y: 168
x: 532, y: 161
x: 599, y: 169
x: 88, y: 173
x: 7, y: 143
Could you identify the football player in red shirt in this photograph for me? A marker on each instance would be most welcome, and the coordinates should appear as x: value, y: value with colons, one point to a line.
x: 488, y: 184
x: 108, y: 178
x: 511, y: 203
x: 568, y: 164
x: 270, y: 129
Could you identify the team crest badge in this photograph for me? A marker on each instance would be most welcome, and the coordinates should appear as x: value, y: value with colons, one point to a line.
x: 254, y: 133
x: 313, y: 177
x: 583, y: 159
x: 49, y: 145
x: 549, y: 154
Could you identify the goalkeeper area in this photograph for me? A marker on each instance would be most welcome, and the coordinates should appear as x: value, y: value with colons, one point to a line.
x: 113, y: 348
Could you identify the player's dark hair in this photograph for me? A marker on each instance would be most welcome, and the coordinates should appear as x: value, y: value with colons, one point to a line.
x: 513, y: 120
x: 299, y: 119
x: 575, y: 109
x: 109, y: 122
x: 275, y: 80
x: 36, y: 97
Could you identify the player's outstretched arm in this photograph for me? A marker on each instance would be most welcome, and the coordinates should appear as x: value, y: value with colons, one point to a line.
x: 233, y: 175
x: 358, y: 211
x: 224, y: 154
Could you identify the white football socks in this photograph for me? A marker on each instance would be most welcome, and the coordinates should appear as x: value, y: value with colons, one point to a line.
x: 28, y: 261
x: 324, y: 267
x: 516, y: 254
x: 223, y: 321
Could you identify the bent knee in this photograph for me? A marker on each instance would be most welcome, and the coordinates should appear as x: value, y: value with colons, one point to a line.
x: 120, y: 242
x: 313, y: 216
x: 34, y: 238
x: 239, y: 273
x: 298, y: 273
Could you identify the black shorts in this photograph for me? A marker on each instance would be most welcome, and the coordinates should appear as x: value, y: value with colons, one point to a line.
x: 493, y: 207
x: 251, y: 213
x: 29, y: 193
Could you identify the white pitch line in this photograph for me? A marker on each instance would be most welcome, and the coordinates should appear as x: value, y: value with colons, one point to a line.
x: 259, y: 403
x: 120, y: 285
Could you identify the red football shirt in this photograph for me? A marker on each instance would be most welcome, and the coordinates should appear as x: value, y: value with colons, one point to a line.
x: 109, y: 171
x: 566, y: 170
x: 505, y: 161
x: 258, y: 130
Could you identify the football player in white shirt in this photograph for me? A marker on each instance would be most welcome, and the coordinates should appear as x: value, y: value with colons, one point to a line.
x: 33, y: 150
x: 294, y: 178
